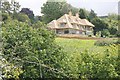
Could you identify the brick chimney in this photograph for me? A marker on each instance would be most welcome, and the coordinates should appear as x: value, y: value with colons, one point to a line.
x: 70, y: 13
x: 77, y: 15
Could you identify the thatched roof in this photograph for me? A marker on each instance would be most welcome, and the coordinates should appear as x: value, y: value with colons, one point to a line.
x: 69, y: 20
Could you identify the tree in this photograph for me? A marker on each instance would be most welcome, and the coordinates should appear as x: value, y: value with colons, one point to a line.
x: 29, y: 13
x: 5, y: 7
x: 113, y: 16
x: 22, y: 17
x: 5, y: 16
x: 8, y: 7
x: 105, y: 33
x: 112, y: 30
x: 99, y: 25
x: 15, y: 6
x: 83, y: 14
x: 92, y: 15
x: 54, y: 10
x: 37, y: 18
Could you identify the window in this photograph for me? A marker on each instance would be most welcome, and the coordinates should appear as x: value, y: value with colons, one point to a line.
x: 62, y: 24
x: 66, y: 32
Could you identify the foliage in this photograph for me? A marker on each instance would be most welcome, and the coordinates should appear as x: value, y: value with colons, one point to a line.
x: 105, y: 33
x: 8, y: 7
x: 29, y: 13
x: 112, y: 31
x: 15, y: 6
x: 5, y: 6
x: 112, y: 16
x: 92, y: 15
x: 105, y: 42
x: 5, y: 16
x: 118, y: 33
x: 22, y: 17
x: 86, y: 64
x: 93, y: 66
x: 112, y: 25
x: 99, y: 25
x: 83, y: 14
x: 32, y: 49
x: 37, y: 18
x: 39, y: 25
x: 53, y: 9
x: 10, y: 70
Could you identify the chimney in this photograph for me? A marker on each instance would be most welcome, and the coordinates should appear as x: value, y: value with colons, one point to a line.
x: 70, y: 13
x: 77, y: 15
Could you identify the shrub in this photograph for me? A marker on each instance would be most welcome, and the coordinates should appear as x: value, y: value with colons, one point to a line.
x: 93, y: 67
x: 118, y: 33
x: 104, y: 42
x: 105, y: 33
x: 33, y: 50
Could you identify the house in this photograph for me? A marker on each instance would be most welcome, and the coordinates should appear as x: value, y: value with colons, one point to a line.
x: 69, y: 24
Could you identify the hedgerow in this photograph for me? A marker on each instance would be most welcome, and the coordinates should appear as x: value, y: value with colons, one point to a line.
x: 34, y: 53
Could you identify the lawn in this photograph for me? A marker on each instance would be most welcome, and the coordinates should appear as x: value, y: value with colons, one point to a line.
x: 78, y: 45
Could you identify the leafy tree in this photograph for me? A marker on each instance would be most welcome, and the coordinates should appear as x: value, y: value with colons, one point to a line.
x: 92, y: 15
x: 5, y: 16
x: 112, y: 30
x: 5, y: 7
x: 112, y: 16
x: 22, y: 17
x: 29, y: 13
x: 83, y: 14
x: 8, y: 7
x: 68, y: 7
x: 105, y: 32
x: 99, y: 25
x: 15, y: 6
x: 53, y: 9
x: 37, y: 18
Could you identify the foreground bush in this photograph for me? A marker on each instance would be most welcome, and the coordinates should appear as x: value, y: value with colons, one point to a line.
x: 32, y: 53
x: 32, y: 50
x: 99, y: 66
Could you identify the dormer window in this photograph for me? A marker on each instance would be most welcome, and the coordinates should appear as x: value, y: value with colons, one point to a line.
x: 62, y: 24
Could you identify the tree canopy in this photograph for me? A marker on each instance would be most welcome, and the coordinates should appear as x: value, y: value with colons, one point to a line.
x: 83, y: 14
x: 92, y: 15
x: 99, y: 25
x: 54, y: 10
x: 29, y: 13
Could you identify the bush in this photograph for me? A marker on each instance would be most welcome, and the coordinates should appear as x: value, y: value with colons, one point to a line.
x: 105, y: 33
x: 94, y: 67
x: 118, y: 34
x: 33, y: 50
x: 104, y: 42
x: 34, y: 53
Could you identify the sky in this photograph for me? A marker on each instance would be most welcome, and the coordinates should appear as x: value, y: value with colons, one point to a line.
x: 101, y: 7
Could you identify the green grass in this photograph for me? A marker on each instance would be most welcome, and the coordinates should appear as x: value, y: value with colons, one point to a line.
x: 78, y: 45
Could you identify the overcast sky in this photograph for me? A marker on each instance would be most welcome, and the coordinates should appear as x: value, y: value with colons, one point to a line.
x: 101, y: 7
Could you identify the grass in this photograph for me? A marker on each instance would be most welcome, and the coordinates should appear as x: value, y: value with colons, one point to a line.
x: 78, y: 45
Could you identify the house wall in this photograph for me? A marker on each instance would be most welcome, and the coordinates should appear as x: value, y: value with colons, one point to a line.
x: 69, y: 31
